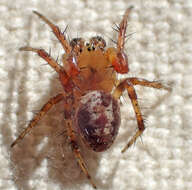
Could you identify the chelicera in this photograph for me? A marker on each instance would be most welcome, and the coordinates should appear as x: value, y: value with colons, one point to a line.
x: 91, y: 90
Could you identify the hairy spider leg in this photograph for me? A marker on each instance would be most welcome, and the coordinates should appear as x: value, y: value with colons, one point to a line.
x: 146, y: 83
x: 126, y: 84
x: 129, y: 85
x: 52, y: 101
x: 70, y: 61
x: 122, y: 30
x: 63, y: 76
x: 117, y: 56
x: 60, y: 35
x: 43, y: 54
x: 76, y: 151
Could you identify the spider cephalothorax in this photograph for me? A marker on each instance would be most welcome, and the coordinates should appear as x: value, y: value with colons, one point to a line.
x: 91, y: 90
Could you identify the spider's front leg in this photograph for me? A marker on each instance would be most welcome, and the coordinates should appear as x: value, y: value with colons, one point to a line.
x: 129, y: 85
x: 122, y: 28
x: 116, y: 56
x: 60, y: 35
x: 76, y: 151
x: 44, y: 55
x: 39, y: 116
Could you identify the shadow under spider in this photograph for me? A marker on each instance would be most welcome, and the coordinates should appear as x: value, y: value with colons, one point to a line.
x: 47, y: 144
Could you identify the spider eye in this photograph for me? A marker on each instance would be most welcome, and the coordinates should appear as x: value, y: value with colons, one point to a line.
x: 98, y: 42
x: 77, y: 45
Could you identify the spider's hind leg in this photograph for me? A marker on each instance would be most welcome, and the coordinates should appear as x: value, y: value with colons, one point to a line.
x: 52, y: 101
x: 126, y: 84
x: 129, y: 85
x: 76, y: 151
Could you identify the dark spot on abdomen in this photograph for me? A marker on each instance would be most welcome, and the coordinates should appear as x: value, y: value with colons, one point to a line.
x: 98, y: 120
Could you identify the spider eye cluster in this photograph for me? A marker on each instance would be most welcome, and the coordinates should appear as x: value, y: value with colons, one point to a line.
x: 77, y: 45
x: 98, y: 42
x: 90, y: 47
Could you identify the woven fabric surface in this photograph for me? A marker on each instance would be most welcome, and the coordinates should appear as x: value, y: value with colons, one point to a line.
x: 159, y: 48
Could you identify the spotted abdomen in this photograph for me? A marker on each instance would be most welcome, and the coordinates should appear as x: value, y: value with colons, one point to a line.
x: 98, y: 120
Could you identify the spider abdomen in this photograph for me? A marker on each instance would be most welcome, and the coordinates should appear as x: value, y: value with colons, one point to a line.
x: 98, y: 120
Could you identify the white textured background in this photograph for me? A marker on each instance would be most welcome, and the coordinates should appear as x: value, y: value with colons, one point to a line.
x: 160, y: 48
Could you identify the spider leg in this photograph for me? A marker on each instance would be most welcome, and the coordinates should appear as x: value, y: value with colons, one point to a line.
x: 54, y: 100
x: 151, y: 84
x: 133, y: 96
x: 116, y: 56
x: 60, y: 36
x: 43, y: 54
x: 76, y: 151
x: 122, y: 30
x: 129, y: 85
x: 126, y: 84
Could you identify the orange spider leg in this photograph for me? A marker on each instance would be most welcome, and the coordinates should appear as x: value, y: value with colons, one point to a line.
x: 39, y: 116
x: 151, y: 84
x: 117, y: 56
x: 129, y: 85
x: 76, y: 151
x: 122, y: 30
x: 126, y: 84
x: 43, y: 54
x: 60, y: 36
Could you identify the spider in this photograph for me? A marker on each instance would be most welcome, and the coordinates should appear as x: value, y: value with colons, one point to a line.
x: 91, y: 90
